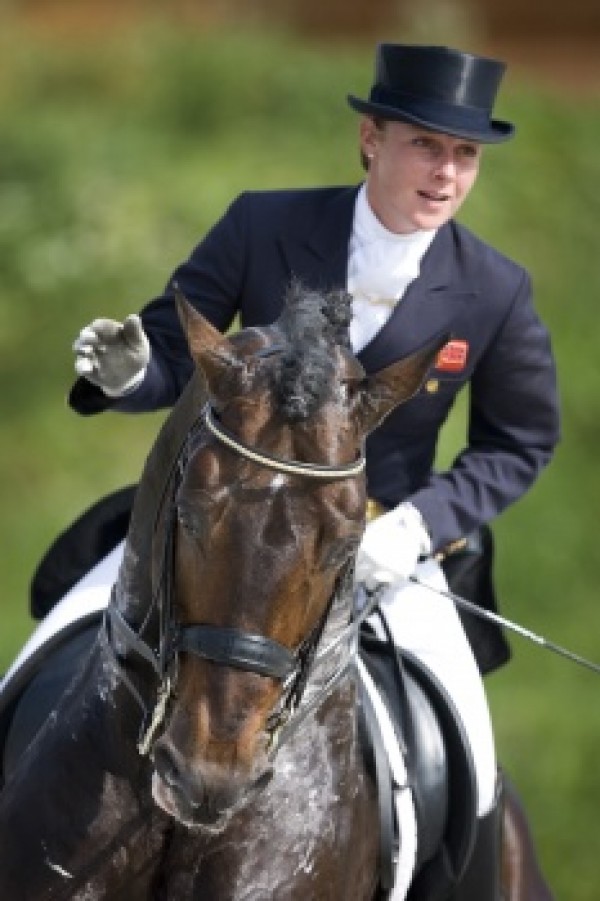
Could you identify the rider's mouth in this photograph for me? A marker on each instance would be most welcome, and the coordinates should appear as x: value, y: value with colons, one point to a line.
x: 434, y: 197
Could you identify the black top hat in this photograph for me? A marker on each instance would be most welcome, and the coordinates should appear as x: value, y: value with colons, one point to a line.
x: 438, y: 88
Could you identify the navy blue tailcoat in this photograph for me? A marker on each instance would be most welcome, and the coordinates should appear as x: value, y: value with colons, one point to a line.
x: 465, y: 288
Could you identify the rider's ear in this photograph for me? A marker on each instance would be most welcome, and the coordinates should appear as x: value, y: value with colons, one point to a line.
x: 386, y: 389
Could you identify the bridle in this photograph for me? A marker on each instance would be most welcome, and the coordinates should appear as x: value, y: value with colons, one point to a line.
x: 221, y: 645
x: 287, y: 467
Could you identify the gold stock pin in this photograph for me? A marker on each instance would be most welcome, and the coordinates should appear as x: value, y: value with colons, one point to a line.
x: 374, y: 509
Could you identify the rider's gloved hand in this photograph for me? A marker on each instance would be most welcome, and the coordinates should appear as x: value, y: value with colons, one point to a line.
x: 391, y: 546
x: 112, y: 355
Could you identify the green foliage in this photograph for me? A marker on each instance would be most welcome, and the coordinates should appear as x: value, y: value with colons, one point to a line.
x: 116, y: 157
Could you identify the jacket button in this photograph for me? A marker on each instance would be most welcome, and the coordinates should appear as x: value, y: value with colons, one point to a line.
x: 431, y: 386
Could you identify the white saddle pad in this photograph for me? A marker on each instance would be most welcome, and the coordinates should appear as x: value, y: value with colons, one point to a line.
x: 89, y: 595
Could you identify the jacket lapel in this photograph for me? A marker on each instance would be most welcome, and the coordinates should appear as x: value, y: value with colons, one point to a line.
x: 429, y: 307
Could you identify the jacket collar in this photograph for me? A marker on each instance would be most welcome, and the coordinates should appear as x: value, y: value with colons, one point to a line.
x: 429, y: 307
x: 322, y: 258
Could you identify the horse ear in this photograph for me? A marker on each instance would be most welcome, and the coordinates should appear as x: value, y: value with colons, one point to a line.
x: 210, y: 349
x: 200, y: 334
x: 386, y: 389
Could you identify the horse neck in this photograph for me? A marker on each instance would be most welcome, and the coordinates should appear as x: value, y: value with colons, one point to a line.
x: 134, y: 586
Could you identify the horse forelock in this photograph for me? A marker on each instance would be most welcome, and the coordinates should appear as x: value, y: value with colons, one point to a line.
x: 314, y: 324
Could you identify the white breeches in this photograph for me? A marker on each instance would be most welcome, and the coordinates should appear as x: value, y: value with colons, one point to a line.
x: 427, y: 624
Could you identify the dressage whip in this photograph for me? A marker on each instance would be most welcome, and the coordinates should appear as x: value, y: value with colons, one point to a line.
x: 470, y: 607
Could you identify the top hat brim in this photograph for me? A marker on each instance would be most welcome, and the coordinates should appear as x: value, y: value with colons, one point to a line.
x: 495, y: 132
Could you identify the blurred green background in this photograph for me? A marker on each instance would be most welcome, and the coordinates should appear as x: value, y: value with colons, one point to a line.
x: 117, y: 154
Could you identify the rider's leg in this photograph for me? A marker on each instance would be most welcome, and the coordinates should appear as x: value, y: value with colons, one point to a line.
x: 504, y: 863
x: 522, y: 877
x: 427, y: 624
x: 482, y: 879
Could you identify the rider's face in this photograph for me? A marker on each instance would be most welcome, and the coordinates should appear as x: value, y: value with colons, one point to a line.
x: 417, y: 179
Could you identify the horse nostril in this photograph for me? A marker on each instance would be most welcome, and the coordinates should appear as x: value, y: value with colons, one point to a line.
x: 178, y: 777
x: 167, y: 767
x: 264, y: 779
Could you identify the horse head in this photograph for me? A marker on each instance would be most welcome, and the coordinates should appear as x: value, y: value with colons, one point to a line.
x: 265, y: 520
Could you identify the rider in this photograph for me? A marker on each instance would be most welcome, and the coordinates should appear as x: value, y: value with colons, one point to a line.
x: 413, y: 272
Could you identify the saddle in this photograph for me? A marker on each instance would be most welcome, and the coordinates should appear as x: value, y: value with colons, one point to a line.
x: 439, y: 764
x: 41, y: 679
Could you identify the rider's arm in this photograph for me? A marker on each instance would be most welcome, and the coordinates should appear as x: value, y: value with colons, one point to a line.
x: 211, y: 281
x: 513, y: 429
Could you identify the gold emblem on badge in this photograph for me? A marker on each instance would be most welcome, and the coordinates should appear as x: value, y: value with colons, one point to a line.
x: 431, y: 386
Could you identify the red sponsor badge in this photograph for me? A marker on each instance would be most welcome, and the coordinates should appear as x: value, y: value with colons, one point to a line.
x: 453, y: 356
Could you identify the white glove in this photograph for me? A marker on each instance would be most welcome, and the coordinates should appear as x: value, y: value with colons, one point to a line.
x: 391, y: 546
x: 112, y: 355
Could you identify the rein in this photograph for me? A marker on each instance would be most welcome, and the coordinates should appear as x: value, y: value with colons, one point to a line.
x: 221, y: 645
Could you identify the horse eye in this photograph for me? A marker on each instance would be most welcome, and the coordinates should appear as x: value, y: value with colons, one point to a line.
x: 350, y: 388
x: 191, y: 521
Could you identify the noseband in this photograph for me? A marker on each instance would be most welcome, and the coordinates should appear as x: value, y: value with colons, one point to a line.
x: 220, y: 645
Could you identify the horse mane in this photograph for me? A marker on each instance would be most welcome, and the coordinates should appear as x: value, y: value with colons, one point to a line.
x: 314, y: 324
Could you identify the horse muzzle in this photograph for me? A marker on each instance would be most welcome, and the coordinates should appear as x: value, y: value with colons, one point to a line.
x: 200, y: 797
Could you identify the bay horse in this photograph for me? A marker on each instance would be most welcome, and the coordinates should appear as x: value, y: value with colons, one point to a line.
x: 206, y: 746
